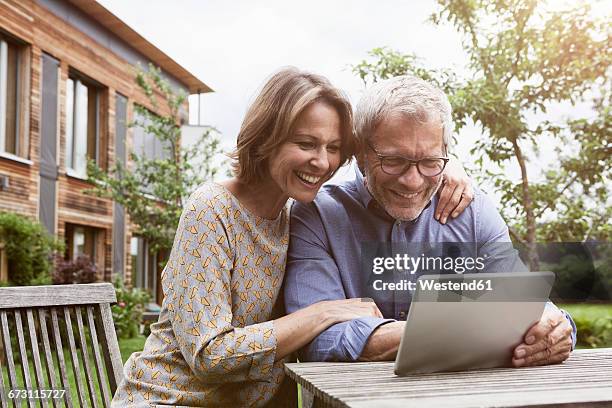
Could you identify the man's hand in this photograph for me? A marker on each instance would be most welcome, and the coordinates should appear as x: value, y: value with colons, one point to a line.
x: 547, y: 342
x: 456, y: 192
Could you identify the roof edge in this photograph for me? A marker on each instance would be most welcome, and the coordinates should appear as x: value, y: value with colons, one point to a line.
x: 115, y: 25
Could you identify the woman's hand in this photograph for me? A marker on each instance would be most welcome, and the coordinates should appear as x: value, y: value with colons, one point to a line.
x: 456, y: 192
x: 336, y: 311
x: 297, y: 329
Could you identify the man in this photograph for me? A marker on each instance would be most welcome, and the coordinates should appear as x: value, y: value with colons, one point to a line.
x: 404, y: 127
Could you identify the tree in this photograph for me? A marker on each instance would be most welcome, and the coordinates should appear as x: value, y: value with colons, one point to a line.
x: 522, y: 60
x: 153, y: 190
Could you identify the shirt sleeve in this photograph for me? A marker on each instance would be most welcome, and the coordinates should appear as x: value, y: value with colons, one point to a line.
x: 493, y: 239
x: 196, y: 285
x: 312, y: 276
x: 573, y: 324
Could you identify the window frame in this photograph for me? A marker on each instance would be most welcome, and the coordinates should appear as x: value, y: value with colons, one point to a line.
x: 144, y: 268
x: 21, y: 149
x: 93, y: 239
x: 148, y: 139
x: 92, y: 134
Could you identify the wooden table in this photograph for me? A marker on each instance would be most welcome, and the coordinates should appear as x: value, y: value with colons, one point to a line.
x: 585, y: 379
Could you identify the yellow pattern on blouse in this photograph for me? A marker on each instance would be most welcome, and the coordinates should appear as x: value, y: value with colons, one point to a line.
x: 214, y: 343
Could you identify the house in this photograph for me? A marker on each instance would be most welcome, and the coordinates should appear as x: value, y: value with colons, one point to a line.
x: 67, y: 94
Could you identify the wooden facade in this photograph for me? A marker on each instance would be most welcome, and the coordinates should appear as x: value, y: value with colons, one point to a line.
x: 84, y: 39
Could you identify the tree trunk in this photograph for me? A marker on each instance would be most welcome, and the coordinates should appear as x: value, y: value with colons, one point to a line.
x: 530, y: 239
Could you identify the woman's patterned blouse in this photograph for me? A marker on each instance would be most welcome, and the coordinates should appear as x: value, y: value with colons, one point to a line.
x: 214, y: 343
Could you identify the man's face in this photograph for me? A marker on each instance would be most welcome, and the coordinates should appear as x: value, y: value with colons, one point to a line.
x: 403, y: 196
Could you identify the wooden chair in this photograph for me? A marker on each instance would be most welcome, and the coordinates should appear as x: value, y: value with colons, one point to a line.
x: 42, y: 350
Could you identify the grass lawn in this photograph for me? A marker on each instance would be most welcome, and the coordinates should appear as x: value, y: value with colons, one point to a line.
x: 127, y: 347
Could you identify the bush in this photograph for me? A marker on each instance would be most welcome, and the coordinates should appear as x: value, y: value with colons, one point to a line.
x: 594, y: 332
x: 29, y: 249
x: 80, y: 270
x: 127, y: 313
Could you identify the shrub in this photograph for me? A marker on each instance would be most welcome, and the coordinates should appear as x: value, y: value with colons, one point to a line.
x: 29, y: 249
x: 594, y: 332
x: 127, y: 313
x: 79, y: 270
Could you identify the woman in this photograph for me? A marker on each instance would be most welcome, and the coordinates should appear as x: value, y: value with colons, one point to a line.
x: 220, y: 339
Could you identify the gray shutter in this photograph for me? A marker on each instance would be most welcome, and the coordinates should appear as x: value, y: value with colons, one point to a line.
x: 119, y: 211
x: 48, y: 143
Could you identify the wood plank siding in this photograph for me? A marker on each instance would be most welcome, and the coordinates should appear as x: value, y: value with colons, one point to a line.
x: 86, y: 39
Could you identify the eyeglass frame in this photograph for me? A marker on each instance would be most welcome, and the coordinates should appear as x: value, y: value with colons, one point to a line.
x: 409, y: 162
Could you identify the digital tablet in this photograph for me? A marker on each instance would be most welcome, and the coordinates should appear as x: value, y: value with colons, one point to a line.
x: 461, y: 322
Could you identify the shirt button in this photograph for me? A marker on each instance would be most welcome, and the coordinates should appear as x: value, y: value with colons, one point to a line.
x: 398, y: 223
x: 402, y: 315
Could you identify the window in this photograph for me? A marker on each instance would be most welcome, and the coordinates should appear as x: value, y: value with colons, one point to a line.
x: 82, y: 124
x: 145, y: 267
x: 13, y: 136
x: 146, y: 144
x: 84, y: 240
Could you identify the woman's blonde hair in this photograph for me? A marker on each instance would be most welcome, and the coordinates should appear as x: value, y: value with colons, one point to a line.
x: 270, y: 120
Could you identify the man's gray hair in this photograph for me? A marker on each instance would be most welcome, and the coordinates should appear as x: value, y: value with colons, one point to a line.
x: 413, y: 97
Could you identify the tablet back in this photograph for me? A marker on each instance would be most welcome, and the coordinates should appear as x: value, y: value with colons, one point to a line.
x: 461, y: 322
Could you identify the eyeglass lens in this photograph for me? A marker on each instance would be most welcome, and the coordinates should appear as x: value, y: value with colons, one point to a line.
x: 398, y: 165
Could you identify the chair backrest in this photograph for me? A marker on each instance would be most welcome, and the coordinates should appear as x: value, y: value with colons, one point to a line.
x: 56, y: 338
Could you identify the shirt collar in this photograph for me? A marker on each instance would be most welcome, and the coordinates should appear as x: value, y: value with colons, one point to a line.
x: 366, y: 199
x: 363, y: 194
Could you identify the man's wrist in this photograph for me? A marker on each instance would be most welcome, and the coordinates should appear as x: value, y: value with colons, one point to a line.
x: 574, y: 330
x: 384, y: 342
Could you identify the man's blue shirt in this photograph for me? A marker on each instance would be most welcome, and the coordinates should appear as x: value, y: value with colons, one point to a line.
x: 325, y: 256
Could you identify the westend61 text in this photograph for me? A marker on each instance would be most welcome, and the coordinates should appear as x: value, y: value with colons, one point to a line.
x: 479, y: 285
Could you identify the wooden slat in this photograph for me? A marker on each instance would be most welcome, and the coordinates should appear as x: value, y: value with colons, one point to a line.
x: 110, y: 346
x: 75, y: 360
x: 102, y: 381
x: 50, y: 366
x: 583, y: 380
x: 40, y: 381
x: 59, y: 349
x: 501, y: 377
x: 8, y: 350
x: 25, y: 366
x: 57, y: 295
x: 3, y: 389
x: 386, y: 384
x: 85, y: 354
x: 556, y: 399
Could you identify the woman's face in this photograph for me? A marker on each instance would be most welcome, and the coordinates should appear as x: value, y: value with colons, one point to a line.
x: 310, y: 155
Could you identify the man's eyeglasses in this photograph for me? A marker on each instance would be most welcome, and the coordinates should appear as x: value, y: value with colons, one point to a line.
x: 396, y: 165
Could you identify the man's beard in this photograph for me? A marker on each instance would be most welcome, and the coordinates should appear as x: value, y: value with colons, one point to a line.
x: 379, y: 195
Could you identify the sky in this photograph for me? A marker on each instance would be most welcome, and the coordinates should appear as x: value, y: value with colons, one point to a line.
x: 234, y: 46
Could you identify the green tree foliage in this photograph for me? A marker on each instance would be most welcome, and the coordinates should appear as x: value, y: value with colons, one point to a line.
x: 29, y: 248
x: 523, y: 60
x: 153, y: 190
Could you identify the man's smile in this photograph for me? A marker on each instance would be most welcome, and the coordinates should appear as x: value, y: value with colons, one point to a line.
x: 405, y: 195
